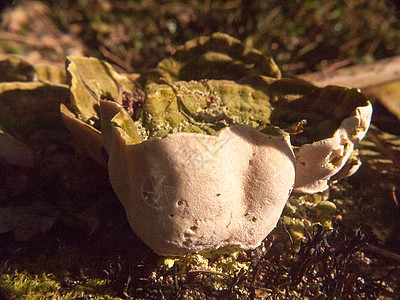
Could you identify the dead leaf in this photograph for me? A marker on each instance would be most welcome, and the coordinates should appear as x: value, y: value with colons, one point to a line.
x: 388, y: 95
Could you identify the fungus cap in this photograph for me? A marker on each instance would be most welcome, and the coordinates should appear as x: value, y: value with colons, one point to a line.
x: 318, y: 162
x: 188, y: 192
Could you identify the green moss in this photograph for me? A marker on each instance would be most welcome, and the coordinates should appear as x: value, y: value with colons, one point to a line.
x: 300, y: 217
x: 220, y: 264
x: 25, y: 285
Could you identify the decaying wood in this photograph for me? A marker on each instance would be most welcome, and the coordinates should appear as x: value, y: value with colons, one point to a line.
x: 364, y: 76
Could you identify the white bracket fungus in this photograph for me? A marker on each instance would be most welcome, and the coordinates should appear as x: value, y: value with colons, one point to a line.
x: 188, y: 192
x: 318, y: 162
x: 193, y: 155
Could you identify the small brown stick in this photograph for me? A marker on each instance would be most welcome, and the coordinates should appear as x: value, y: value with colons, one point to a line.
x: 383, y: 252
x: 394, y: 195
x: 337, y: 65
x: 118, y: 61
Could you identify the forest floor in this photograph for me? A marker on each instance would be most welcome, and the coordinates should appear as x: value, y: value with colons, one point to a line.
x: 70, y: 238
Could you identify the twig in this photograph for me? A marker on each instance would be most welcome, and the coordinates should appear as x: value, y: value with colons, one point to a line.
x: 122, y: 64
x: 394, y: 195
x: 337, y: 65
x: 361, y: 76
x: 383, y: 252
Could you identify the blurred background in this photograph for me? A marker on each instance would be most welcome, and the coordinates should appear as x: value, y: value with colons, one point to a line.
x: 301, y: 35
